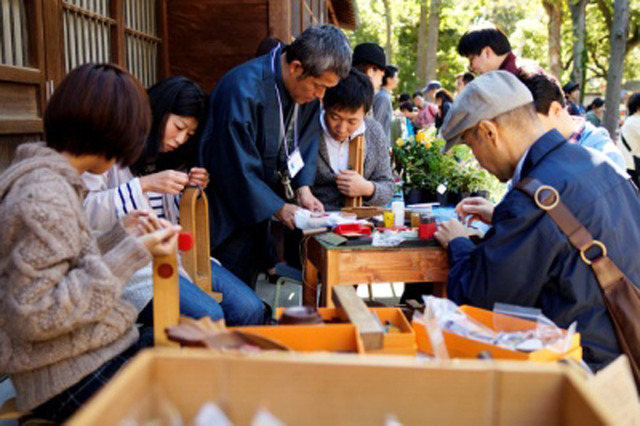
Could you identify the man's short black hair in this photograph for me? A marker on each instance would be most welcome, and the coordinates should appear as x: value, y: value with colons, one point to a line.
x: 350, y: 93
x: 406, y: 106
x: 634, y: 103
x: 389, y: 72
x: 99, y: 109
x: 473, y: 41
x: 404, y: 97
x: 544, y: 88
x: 417, y: 93
x: 467, y: 77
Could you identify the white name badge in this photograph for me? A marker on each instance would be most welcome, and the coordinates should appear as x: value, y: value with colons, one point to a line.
x: 295, y: 163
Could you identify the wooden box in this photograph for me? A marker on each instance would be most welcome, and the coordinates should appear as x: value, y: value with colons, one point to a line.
x: 462, y: 347
x: 403, y: 343
x: 312, y: 338
x: 338, y: 389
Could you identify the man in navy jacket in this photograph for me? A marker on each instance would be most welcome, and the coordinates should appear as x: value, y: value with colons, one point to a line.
x: 525, y: 259
x: 253, y: 109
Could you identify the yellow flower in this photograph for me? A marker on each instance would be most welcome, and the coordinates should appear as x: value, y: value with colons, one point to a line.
x: 421, y: 136
x: 428, y: 144
x: 399, y: 142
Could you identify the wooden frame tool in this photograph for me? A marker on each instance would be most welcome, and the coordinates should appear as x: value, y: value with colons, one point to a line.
x: 356, y: 163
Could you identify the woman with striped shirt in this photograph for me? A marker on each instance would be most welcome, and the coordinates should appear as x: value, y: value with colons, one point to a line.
x: 154, y: 184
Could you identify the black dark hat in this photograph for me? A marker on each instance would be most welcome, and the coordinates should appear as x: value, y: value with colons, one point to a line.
x: 570, y: 87
x: 369, y: 53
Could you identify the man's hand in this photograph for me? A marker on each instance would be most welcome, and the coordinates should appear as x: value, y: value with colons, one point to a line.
x: 448, y: 231
x: 162, y: 242
x: 307, y: 200
x: 286, y: 215
x: 198, y: 177
x: 475, y: 208
x: 351, y: 184
x: 165, y: 182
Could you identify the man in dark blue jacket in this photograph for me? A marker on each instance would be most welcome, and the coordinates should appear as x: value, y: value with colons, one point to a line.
x: 260, y: 142
x: 525, y: 259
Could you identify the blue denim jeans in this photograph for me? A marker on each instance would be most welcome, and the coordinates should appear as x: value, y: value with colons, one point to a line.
x: 240, y: 305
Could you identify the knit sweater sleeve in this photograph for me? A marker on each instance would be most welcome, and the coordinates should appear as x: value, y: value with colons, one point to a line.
x: 59, y: 282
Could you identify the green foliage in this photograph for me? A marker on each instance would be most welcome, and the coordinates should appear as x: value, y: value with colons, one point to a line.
x: 525, y: 22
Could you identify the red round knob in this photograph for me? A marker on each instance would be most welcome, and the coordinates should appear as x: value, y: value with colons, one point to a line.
x: 185, y: 241
x: 165, y: 270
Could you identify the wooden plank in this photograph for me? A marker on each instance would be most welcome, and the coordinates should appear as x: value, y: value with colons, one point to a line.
x: 21, y: 126
x: 166, y: 298
x: 6, y: 33
x: 117, y: 33
x: 356, y: 163
x: 20, y: 75
x: 280, y: 20
x: 371, y: 331
x: 161, y: 30
x: 17, y: 33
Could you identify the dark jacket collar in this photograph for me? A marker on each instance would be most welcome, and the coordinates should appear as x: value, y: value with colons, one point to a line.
x: 547, y: 143
x: 509, y: 64
x: 286, y: 98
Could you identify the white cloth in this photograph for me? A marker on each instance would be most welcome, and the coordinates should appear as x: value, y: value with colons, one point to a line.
x: 111, y: 196
x: 631, y: 133
x: 338, y: 150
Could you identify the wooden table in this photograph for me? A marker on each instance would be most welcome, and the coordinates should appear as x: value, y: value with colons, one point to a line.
x: 343, y: 265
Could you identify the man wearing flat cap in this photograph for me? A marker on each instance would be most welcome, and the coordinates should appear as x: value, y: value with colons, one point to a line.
x: 525, y: 258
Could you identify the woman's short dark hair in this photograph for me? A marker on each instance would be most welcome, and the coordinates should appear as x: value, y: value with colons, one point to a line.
x: 544, y: 88
x: 389, y: 72
x: 467, y: 77
x: 174, y: 95
x: 444, y: 95
x: 417, y: 93
x: 473, y: 41
x: 404, y: 97
x: 266, y: 45
x: 634, y: 103
x: 350, y: 93
x: 596, y: 103
x: 406, y: 106
x: 99, y: 109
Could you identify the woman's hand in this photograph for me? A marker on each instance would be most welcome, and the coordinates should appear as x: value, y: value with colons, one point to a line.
x: 165, y: 182
x: 162, y: 242
x: 139, y: 222
x: 198, y: 177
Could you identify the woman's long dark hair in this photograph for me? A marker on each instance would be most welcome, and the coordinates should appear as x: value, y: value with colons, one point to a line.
x: 174, y: 95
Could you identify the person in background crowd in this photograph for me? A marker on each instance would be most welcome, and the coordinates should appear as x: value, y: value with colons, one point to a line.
x: 154, y: 183
x: 525, y: 259
x: 382, y: 105
x: 404, y: 97
x: 462, y: 80
x: 267, y: 45
x: 260, y: 140
x: 408, y: 110
x: 572, y: 94
x: 550, y: 106
x: 65, y: 330
x: 595, y: 112
x: 630, y: 134
x: 444, y: 101
x: 488, y: 49
x: 430, y: 90
x: 371, y: 60
x: 426, y: 112
x: 343, y: 118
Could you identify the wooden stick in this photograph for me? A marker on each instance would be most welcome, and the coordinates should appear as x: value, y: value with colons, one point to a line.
x: 371, y: 331
x: 356, y: 163
x: 166, y: 298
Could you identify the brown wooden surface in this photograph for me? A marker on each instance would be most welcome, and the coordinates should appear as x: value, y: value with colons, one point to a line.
x: 353, y: 266
x: 117, y: 33
x: 53, y: 42
x: 280, y: 19
x: 166, y: 296
x: 164, y: 69
x: 356, y: 163
x: 371, y: 331
x: 209, y: 37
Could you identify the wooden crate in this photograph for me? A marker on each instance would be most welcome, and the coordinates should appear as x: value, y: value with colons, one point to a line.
x: 403, y: 343
x: 322, y: 389
x: 463, y: 347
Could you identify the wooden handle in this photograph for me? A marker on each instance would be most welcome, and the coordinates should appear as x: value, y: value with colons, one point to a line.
x: 356, y: 163
x: 166, y: 298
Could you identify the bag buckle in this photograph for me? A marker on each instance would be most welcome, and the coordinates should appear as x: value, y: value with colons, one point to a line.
x: 583, y: 251
x: 538, y: 200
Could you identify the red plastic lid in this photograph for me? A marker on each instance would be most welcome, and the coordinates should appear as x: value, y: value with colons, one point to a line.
x: 185, y: 241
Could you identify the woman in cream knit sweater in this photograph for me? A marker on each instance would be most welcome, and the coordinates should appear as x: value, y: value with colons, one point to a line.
x: 64, y: 328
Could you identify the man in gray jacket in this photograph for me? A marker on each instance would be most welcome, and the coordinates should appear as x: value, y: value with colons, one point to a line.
x: 343, y: 118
